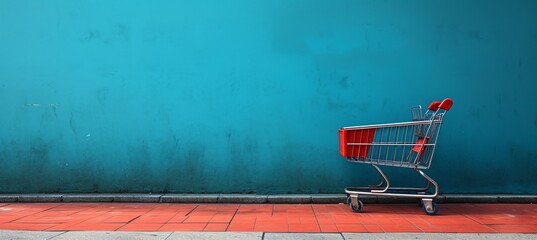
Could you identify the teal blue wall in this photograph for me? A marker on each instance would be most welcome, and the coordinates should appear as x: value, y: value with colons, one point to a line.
x: 247, y: 96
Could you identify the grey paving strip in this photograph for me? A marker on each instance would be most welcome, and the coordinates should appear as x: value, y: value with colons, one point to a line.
x: 215, y: 235
x: 303, y: 236
x: 254, y: 198
x: 83, y: 235
x: 15, y: 235
x: 437, y: 236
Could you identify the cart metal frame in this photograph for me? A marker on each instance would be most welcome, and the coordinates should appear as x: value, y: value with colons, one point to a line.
x: 405, y: 144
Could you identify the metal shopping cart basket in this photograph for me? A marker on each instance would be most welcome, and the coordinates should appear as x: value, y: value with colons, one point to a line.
x: 405, y: 144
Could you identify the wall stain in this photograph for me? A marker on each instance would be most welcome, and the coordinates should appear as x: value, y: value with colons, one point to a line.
x: 102, y: 96
x: 95, y: 188
x: 335, y: 105
x: 35, y: 163
x: 139, y: 162
x: 121, y: 30
x: 476, y: 114
x: 364, y: 106
x: 71, y: 123
x: 520, y: 69
x: 90, y: 35
x: 175, y: 140
x: 39, y: 151
x: 53, y: 107
x: 475, y: 35
x: 228, y: 136
x: 115, y: 33
x: 192, y: 174
x: 343, y: 81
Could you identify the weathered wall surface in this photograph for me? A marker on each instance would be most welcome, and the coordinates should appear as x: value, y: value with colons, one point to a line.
x: 247, y: 96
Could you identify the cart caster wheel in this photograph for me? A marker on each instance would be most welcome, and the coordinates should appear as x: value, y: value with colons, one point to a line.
x: 357, y: 208
x: 433, y: 211
x: 348, y: 200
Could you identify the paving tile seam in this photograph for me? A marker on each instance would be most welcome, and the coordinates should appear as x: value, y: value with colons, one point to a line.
x: 231, y: 220
x: 64, y: 232
x: 169, y: 235
x: 316, y: 218
x: 192, y: 210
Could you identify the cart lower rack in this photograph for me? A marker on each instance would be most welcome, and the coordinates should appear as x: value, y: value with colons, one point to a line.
x: 405, y: 144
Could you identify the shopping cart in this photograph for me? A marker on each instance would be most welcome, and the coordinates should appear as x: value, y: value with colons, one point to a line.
x: 405, y: 144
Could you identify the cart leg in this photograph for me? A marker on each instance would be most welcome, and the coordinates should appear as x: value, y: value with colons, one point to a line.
x: 430, y: 207
x: 384, y: 179
x: 424, y: 189
x: 374, y: 188
x: 430, y: 180
x: 378, y: 185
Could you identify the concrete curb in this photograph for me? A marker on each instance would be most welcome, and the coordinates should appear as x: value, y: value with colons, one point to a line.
x: 242, y: 198
x: 87, y: 198
x: 290, y: 198
x: 139, y: 198
x: 39, y: 198
x: 9, y: 198
x: 254, y: 198
x: 189, y: 198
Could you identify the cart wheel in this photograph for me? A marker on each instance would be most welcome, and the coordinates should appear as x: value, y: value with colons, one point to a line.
x: 357, y: 208
x: 348, y: 199
x: 434, y: 211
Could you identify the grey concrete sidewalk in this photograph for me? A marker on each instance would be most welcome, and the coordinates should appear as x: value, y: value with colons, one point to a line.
x: 84, y: 235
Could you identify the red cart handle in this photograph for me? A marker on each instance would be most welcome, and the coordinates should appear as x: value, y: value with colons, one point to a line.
x: 446, y: 104
x: 434, y: 105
